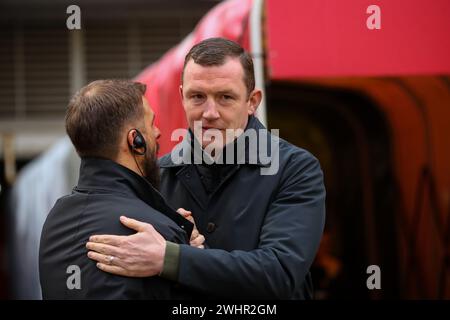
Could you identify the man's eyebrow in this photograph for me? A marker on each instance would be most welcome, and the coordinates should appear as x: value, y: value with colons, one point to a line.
x: 229, y: 91
x: 193, y: 90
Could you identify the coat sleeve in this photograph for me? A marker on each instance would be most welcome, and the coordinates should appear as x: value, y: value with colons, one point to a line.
x: 289, y: 240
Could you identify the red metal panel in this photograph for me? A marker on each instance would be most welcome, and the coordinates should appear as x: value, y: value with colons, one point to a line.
x: 331, y: 38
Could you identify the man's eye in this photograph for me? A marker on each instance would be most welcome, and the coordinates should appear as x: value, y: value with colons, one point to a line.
x: 197, y: 98
x: 227, y: 97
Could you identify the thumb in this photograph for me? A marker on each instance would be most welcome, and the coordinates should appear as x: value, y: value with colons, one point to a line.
x: 183, y: 212
x: 133, y: 224
x: 186, y: 214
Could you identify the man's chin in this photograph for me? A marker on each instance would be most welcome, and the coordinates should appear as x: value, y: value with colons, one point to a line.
x: 212, y: 146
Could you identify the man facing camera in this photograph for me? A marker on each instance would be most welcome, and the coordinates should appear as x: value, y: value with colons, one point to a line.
x: 263, y: 227
x: 112, y: 128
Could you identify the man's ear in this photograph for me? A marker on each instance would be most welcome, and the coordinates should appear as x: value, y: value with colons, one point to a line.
x: 130, y: 138
x: 181, y: 92
x: 254, y: 101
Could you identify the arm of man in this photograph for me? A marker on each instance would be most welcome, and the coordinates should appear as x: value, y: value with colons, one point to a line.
x: 289, y: 240
x: 130, y: 252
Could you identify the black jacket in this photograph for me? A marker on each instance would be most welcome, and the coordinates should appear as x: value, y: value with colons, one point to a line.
x: 105, y: 191
x: 264, y: 230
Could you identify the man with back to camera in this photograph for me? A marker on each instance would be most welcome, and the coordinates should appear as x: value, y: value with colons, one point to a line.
x: 112, y: 128
x: 263, y: 231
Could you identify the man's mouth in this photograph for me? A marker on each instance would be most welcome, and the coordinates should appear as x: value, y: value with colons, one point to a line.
x: 204, y: 128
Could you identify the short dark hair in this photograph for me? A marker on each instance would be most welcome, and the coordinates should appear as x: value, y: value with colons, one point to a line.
x: 215, y: 51
x: 97, y: 114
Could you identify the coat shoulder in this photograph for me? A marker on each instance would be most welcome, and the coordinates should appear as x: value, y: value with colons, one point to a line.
x: 165, y: 160
x: 295, y: 155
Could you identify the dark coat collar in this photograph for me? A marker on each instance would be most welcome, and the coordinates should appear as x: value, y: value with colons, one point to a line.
x: 251, y: 156
x: 101, y: 175
x: 104, y: 174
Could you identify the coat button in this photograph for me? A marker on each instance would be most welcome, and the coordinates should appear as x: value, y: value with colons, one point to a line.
x: 188, y: 175
x: 210, y: 227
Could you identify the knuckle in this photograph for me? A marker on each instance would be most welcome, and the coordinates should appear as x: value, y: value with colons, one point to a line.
x: 120, y: 254
x: 127, y: 262
x: 133, y: 269
x: 126, y: 243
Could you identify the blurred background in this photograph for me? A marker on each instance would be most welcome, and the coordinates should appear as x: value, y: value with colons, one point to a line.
x: 373, y: 105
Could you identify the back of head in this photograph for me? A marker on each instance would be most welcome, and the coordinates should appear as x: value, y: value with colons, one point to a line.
x: 97, y: 114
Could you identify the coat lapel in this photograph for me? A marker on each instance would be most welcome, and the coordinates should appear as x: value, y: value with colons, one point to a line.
x: 190, y: 179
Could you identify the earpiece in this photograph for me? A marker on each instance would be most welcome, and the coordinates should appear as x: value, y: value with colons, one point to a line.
x: 138, y: 143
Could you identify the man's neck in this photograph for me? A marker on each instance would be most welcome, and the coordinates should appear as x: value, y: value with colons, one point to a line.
x: 217, y: 155
x: 128, y: 162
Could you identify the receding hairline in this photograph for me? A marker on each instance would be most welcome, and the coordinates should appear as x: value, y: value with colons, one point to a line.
x: 218, y: 65
x: 216, y: 52
x: 225, y: 61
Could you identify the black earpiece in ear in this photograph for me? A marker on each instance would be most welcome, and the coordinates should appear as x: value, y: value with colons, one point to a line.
x: 138, y: 143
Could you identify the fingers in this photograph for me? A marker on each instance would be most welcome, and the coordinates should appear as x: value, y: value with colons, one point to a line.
x: 194, y: 234
x: 137, y: 255
x: 198, y: 242
x: 106, y: 259
x: 183, y: 212
x: 133, y: 224
x: 107, y: 239
x: 190, y: 219
x: 113, y: 269
x: 104, y: 249
x: 186, y: 214
x: 102, y: 258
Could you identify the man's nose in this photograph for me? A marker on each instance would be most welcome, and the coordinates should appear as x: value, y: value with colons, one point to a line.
x: 157, y: 132
x: 210, y: 112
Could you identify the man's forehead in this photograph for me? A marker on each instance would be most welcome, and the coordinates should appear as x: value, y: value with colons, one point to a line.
x: 214, y: 85
x: 228, y: 76
x: 230, y: 68
x: 147, y: 106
